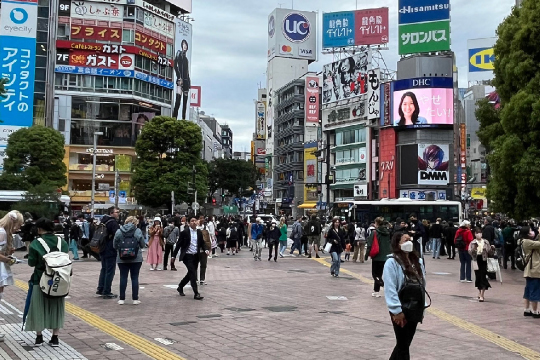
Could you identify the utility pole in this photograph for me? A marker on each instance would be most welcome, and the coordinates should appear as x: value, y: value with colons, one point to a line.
x: 195, y: 188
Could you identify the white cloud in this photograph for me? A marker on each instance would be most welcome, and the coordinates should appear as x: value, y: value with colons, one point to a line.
x: 230, y: 47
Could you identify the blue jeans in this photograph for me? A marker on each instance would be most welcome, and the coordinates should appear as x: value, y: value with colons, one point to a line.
x: 297, y: 245
x: 336, y: 263
x: 74, y: 249
x: 282, y: 246
x: 133, y: 269
x: 106, y: 275
x: 465, y: 269
x: 436, y: 247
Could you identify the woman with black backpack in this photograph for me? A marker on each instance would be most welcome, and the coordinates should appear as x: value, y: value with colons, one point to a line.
x: 404, y: 292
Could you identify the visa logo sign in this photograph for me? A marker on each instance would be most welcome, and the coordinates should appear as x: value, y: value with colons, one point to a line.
x: 482, y: 59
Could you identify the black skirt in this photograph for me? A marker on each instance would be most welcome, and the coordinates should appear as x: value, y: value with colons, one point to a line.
x: 481, y: 274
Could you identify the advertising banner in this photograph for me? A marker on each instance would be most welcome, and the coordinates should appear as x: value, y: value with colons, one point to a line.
x: 371, y: 26
x: 182, y: 67
x: 433, y: 164
x: 386, y: 104
x: 417, y: 11
x: 478, y: 193
x: 423, y: 194
x: 423, y: 102
x: 260, y: 116
x: 311, y: 105
x: 346, y: 78
x: 374, y: 94
x: 96, y: 11
x: 338, y: 29
x: 18, y: 61
x: 343, y: 114
x: 158, y: 24
x: 293, y: 34
x: 195, y: 96
x: 112, y: 61
x: 150, y: 42
x: 91, y: 32
x: 310, y: 172
x: 481, y: 59
x: 424, y: 37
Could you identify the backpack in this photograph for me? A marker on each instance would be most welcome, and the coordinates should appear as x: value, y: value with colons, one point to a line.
x: 521, y: 259
x: 233, y: 234
x: 100, y: 238
x: 129, y: 247
x: 56, y: 279
x: 413, y: 297
x: 167, y: 231
x: 460, y: 242
x: 498, y: 241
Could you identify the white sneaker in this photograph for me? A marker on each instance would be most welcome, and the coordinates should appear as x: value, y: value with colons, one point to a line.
x: 376, y: 294
x: 136, y: 302
x: 209, y: 256
x: 151, y: 269
x: 216, y: 255
x: 159, y: 269
x: 469, y: 281
x: 461, y: 281
x: 120, y: 302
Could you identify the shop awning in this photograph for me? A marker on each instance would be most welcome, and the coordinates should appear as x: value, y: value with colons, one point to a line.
x: 308, y: 205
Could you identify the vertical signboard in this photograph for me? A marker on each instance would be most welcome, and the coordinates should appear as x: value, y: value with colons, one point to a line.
x: 433, y: 164
x: 374, y: 94
x: 387, y: 163
x: 310, y: 172
x: 371, y: 26
x: 463, y: 156
x: 182, y: 68
x: 260, y: 116
x: 17, y: 56
x: 311, y: 105
x: 195, y: 97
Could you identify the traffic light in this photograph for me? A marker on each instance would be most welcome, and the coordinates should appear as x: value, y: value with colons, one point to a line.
x: 213, y: 201
x: 223, y: 196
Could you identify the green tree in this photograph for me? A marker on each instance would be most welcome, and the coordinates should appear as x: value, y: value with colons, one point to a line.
x: 512, y: 134
x: 167, y: 151
x: 41, y: 201
x: 232, y: 175
x: 35, y: 156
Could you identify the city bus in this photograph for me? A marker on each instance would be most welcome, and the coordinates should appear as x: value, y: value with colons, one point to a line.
x: 10, y: 197
x: 391, y: 209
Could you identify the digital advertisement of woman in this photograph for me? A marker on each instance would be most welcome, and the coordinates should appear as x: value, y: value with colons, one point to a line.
x: 423, y: 107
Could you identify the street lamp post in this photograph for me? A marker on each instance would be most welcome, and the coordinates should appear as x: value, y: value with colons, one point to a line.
x: 96, y: 134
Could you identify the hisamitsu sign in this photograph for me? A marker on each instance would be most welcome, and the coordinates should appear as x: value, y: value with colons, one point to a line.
x: 417, y: 11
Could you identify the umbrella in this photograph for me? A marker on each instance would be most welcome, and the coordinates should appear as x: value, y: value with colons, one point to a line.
x: 27, y: 303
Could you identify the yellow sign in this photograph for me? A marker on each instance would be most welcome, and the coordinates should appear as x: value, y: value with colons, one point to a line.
x: 481, y: 59
x: 310, y: 172
x: 478, y: 193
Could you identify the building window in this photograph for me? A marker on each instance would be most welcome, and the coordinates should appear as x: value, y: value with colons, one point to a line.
x: 128, y: 36
x: 62, y: 32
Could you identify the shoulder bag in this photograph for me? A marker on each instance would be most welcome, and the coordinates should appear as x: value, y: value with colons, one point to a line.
x: 374, y: 246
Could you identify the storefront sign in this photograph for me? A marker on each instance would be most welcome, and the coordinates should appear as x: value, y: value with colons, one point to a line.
x: 100, y: 151
x: 158, y: 24
x: 374, y: 94
x: 96, y: 11
x: 157, y: 11
x: 344, y: 114
x: 112, y: 61
x: 423, y: 194
x: 149, y: 42
x: 112, y: 49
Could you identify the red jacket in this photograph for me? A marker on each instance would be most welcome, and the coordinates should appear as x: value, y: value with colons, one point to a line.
x: 467, y: 236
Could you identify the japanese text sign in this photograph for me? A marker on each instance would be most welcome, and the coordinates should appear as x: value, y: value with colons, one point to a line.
x: 17, y: 58
x: 96, y: 11
x: 374, y: 93
x: 424, y: 37
x: 338, y: 29
x: 312, y: 99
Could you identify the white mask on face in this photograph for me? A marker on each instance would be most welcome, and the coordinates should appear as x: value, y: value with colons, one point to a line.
x: 478, y: 236
x: 407, y: 246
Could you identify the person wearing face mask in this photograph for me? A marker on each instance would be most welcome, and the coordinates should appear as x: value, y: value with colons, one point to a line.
x: 273, y: 235
x: 531, y: 273
x: 480, y: 250
x: 404, y: 292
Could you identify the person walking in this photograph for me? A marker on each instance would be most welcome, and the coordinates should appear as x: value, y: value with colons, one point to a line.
x: 203, y: 256
x: 273, y: 234
x: 44, y: 312
x: 108, y: 254
x: 222, y: 234
x: 296, y: 236
x: 129, y: 238
x: 531, y: 273
x: 171, y: 233
x: 232, y: 238
x: 381, y: 235
x: 509, y: 244
x: 360, y: 243
x: 256, y: 238
x: 336, y: 236
x: 435, y: 232
x: 213, y: 239
x: 404, y: 279
x: 479, y: 250
x: 190, y: 245
x: 462, y: 241
x: 450, y: 235
x: 283, y: 236
x: 75, y: 237
x: 155, y: 245
x: 314, y: 235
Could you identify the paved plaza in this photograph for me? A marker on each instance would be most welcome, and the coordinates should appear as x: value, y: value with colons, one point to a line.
x: 292, y: 309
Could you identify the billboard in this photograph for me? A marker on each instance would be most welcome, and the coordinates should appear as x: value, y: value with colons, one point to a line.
x: 260, y: 116
x: 182, y: 67
x: 96, y: 11
x: 360, y: 27
x: 310, y: 172
x: 433, y: 164
x: 343, y: 114
x: 421, y: 195
x: 422, y: 102
x: 418, y: 11
x: 481, y: 59
x: 311, y: 105
x: 195, y: 96
x: 424, y: 37
x: 346, y: 78
x: 18, y: 61
x: 374, y: 94
x: 292, y: 34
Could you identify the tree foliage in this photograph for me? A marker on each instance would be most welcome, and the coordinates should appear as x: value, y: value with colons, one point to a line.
x: 512, y: 134
x: 167, y: 151
x: 35, y: 156
x: 231, y: 175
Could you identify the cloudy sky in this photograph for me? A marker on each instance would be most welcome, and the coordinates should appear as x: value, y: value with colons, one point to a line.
x: 230, y: 47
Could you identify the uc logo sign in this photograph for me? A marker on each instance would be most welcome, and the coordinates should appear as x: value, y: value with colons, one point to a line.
x: 482, y: 59
x: 296, y: 27
x: 18, y: 16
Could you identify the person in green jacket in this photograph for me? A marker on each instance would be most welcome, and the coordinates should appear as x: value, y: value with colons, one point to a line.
x: 377, y: 263
x: 44, y: 312
x: 283, y: 237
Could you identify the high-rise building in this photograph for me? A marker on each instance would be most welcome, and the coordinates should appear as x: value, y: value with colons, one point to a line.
x: 227, y: 141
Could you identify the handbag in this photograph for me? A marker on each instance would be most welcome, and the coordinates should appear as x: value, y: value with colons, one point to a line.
x: 492, y: 265
x: 328, y: 247
x: 374, y: 246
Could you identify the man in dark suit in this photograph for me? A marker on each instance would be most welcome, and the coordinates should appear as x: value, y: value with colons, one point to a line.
x: 190, y: 244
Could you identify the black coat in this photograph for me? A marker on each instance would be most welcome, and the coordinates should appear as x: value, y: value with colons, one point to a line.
x: 488, y: 233
x: 181, y: 68
x: 184, y: 241
x: 337, y: 238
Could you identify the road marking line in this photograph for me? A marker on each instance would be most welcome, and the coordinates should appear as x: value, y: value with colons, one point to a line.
x: 488, y: 335
x: 147, y: 347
